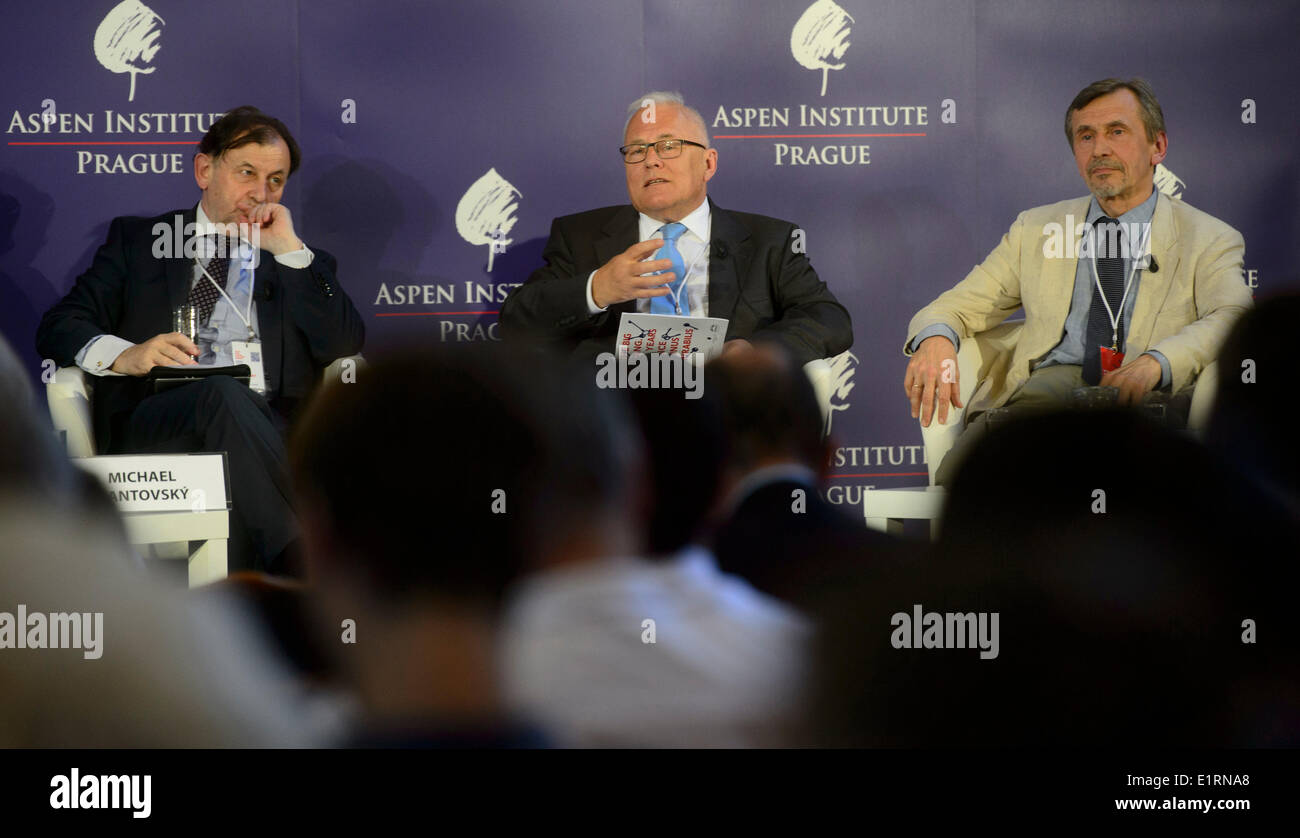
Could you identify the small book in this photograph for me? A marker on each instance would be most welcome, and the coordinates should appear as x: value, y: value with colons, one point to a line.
x: 669, y: 333
x: 162, y: 379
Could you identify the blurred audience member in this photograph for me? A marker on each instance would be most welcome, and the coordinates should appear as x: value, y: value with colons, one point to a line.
x: 1248, y: 424
x: 427, y: 487
x: 778, y: 532
x: 93, y: 653
x: 1142, y: 594
x: 29, y: 451
x: 652, y: 645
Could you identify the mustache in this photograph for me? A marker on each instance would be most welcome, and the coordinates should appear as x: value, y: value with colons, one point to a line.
x: 1105, y: 163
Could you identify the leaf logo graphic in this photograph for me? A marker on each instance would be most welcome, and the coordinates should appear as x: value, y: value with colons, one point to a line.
x: 1168, y: 182
x: 820, y: 36
x: 127, y: 39
x: 843, y: 366
x: 486, y: 213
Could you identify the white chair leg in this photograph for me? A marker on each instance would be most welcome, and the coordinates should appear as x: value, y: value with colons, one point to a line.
x: 893, y: 526
x: 208, y: 563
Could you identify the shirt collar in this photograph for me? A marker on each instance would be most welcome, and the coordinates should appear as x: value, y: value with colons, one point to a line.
x: 757, y: 479
x: 1141, y: 214
x: 698, y: 222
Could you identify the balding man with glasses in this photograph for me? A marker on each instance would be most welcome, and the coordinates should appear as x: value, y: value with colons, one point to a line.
x: 675, y: 251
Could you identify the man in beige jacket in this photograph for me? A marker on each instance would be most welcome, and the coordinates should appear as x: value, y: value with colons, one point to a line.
x: 1127, y: 288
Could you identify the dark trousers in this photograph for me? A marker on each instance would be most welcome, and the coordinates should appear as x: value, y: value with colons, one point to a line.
x: 221, y: 414
x: 1048, y: 389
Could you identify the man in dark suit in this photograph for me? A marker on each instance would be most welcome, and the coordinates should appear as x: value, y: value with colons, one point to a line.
x: 749, y: 269
x: 259, y: 289
x: 776, y: 530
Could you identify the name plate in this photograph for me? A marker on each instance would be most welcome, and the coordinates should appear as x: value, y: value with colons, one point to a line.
x: 162, y: 482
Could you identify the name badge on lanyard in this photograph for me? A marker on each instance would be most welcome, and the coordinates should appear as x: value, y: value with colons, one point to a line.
x: 250, y: 352
x: 1110, y: 359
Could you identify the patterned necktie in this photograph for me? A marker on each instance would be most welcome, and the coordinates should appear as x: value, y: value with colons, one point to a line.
x: 203, y: 295
x: 1110, y: 272
x: 664, y: 305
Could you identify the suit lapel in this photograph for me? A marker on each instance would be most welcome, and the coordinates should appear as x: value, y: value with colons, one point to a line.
x: 618, y: 234
x: 1154, y: 287
x: 1057, y: 276
x: 179, y: 270
x: 730, y: 253
x: 269, y: 299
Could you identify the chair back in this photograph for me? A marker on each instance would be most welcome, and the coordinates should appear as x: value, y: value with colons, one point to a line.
x: 68, y: 395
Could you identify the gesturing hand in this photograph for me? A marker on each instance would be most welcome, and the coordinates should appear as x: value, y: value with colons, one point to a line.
x: 159, y: 351
x: 620, y: 279
x: 932, y: 381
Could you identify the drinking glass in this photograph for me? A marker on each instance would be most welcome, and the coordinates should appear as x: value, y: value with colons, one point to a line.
x: 185, y: 319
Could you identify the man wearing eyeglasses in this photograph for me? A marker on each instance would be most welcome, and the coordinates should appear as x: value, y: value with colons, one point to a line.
x: 675, y: 251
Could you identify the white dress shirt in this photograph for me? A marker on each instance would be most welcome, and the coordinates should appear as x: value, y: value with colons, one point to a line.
x: 694, y: 248
x: 725, y: 669
x: 101, y: 352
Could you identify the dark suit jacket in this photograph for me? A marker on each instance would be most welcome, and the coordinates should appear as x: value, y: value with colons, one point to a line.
x: 799, y: 557
x: 756, y: 281
x: 305, y: 319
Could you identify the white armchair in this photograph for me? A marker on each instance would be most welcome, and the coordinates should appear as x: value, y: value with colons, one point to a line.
x: 160, y: 535
x: 886, y: 509
x: 68, y: 395
x: 823, y: 382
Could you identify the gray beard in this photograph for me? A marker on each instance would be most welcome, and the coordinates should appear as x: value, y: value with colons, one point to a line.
x: 1108, y: 190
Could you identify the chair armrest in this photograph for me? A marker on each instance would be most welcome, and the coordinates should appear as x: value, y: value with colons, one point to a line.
x: 979, y: 357
x: 68, y: 395
x: 342, y: 369
x: 819, y: 373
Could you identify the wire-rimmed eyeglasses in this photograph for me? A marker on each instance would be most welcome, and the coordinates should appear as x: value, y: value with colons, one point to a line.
x: 666, y: 149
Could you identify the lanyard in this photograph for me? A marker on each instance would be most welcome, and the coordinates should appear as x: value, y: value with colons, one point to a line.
x: 1134, y: 260
x: 675, y: 296
x: 246, y: 316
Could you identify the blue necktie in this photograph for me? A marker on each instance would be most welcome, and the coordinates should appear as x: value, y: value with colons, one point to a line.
x: 664, y: 305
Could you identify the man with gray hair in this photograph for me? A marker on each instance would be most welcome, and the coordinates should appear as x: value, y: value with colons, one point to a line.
x: 1124, y: 288
x: 675, y: 251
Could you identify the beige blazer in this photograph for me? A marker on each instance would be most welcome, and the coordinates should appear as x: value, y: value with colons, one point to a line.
x: 1184, y: 310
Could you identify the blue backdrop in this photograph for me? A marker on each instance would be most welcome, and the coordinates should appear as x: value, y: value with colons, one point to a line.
x: 938, y: 123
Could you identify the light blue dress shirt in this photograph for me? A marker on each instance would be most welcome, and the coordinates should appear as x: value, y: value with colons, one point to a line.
x: 1070, y: 349
x: 224, y: 326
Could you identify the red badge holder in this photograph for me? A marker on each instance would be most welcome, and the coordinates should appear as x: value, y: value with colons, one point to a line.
x: 1110, y: 359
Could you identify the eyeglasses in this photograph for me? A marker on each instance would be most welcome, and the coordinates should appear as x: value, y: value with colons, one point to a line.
x: 666, y: 149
